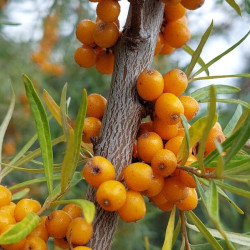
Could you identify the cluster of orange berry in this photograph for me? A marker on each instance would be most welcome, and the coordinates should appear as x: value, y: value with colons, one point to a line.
x: 99, y: 37
x: 50, y: 36
x: 66, y: 225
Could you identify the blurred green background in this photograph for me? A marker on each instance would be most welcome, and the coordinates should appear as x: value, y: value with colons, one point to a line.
x: 27, y: 27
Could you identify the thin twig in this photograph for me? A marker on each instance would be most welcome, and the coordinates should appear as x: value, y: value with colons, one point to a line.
x: 196, y: 172
x: 184, y: 230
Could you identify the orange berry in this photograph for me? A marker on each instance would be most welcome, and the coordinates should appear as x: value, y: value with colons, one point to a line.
x: 214, y: 135
x: 91, y: 128
x: 164, y: 162
x: 191, y: 106
x: 85, y: 56
x: 150, y: 84
x: 176, y: 33
x: 190, y: 160
x: 97, y: 170
x: 185, y: 178
x: 167, y: 206
x: 159, y: 44
x: 84, y: 31
x: 73, y: 210
x: 24, y: 207
x: 145, y: 127
x: 159, y: 199
x: 190, y: 202
x: 40, y: 230
x: 147, y: 145
x: 174, y: 190
x: 6, y: 219
x: 111, y: 195
x: 106, y: 34
x: 61, y: 242
x: 138, y: 176
x: 169, y: 108
x: 192, y: 4
x: 175, y: 82
x: 218, y: 126
x: 134, y: 207
x: 5, y: 196
x: 34, y: 243
x: 174, y: 12
x: 174, y: 144
x: 105, y: 62
x: 155, y: 187
x: 8, y: 208
x: 79, y: 231
x: 171, y: 1
x: 166, y: 48
x: 82, y: 248
x: 164, y: 130
x: 96, y: 105
x: 108, y: 10
x: 57, y: 222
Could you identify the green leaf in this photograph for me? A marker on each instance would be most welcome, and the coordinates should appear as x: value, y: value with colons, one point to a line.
x: 220, y: 162
x: 220, y: 56
x: 235, y: 6
x: 3, y: 22
x: 203, y: 229
x: 63, y: 111
x: 19, y: 195
x: 176, y: 231
x: 20, y: 230
x: 88, y: 208
x: 219, y: 77
x: 203, y: 93
x: 212, y: 201
x: 233, y: 121
x: 167, y: 245
x: 6, y: 121
x: 74, y: 145
x: 211, y: 119
x: 234, y: 101
x: 43, y: 130
x: 190, y: 51
x: 242, y: 120
x: 198, y: 51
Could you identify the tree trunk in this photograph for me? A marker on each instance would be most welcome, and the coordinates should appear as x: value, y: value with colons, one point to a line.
x: 133, y: 53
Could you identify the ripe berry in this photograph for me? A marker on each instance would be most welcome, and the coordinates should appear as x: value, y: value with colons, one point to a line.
x: 164, y: 162
x: 166, y: 48
x: 84, y: 31
x: 175, y: 82
x: 159, y: 199
x: 185, y: 178
x: 61, y: 243
x: 85, y: 56
x: 79, y: 231
x: 5, y: 196
x: 105, y: 62
x: 145, y: 127
x: 190, y: 202
x: 82, y: 248
x: 34, y: 242
x: 147, y: 145
x: 138, y: 176
x: 6, y: 219
x: 174, y: 12
x: 40, y: 230
x: 57, y: 222
x: 108, y: 10
x: 73, y: 210
x: 164, y: 130
x: 167, y: 206
x: 159, y: 44
x: 191, y: 106
x: 150, y: 84
x: 174, y: 144
x: 105, y: 34
x: 91, y: 128
x: 97, y: 170
x: 25, y: 206
x: 192, y: 4
x: 169, y: 108
x: 8, y: 208
x: 155, y: 187
x: 111, y: 195
x: 96, y: 105
x: 134, y: 207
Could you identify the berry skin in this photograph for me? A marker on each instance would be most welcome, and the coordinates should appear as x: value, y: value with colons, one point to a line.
x: 91, y: 128
x: 147, y: 145
x: 176, y: 33
x: 96, y: 105
x: 61, y: 243
x: 165, y: 131
x: 150, y: 84
x: 190, y: 202
x: 166, y: 48
x: 164, y: 162
x: 84, y: 32
x: 6, y: 219
x: 174, y: 12
x: 57, y: 222
x: 175, y: 82
x: 73, y: 210
x: 5, y: 196
x: 111, y: 195
x: 105, y: 62
x: 173, y: 2
x: 34, y: 243
x: 174, y: 144
x: 145, y: 127
x: 134, y: 207
x: 82, y: 248
x: 191, y: 106
x: 8, y: 208
x: 155, y: 187
x: 85, y: 56
x: 108, y: 10
x: 185, y: 178
x: 167, y: 206
x: 97, y: 170
x: 106, y: 34
x: 174, y: 190
x: 25, y: 206
x: 218, y: 126
x: 40, y: 230
x: 192, y: 4
x: 138, y: 176
x: 168, y: 108
x: 159, y: 44
x: 79, y: 231
x: 159, y: 199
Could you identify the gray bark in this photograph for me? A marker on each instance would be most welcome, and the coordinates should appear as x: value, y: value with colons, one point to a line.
x: 133, y: 53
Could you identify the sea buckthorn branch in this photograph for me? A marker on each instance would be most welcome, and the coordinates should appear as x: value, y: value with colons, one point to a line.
x: 184, y: 230
x: 210, y: 175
